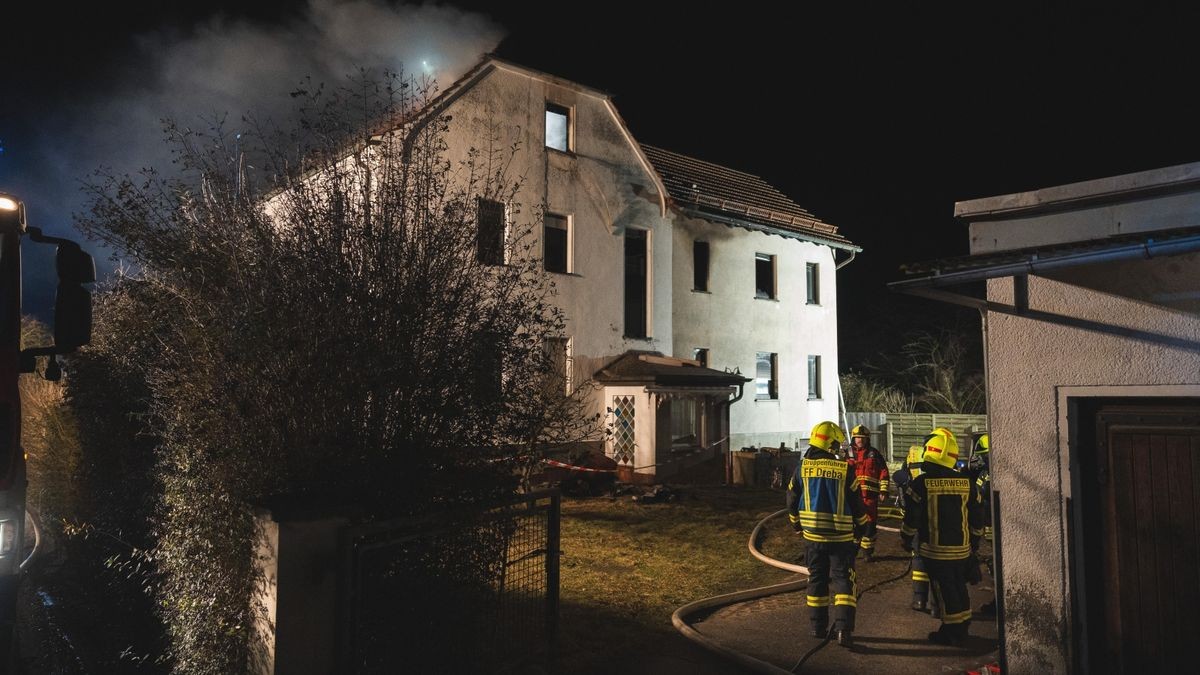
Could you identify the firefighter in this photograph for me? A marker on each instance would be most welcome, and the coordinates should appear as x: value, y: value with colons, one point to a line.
x: 945, y: 516
x: 871, y: 481
x: 823, y: 505
x: 908, y: 471
x: 981, y: 459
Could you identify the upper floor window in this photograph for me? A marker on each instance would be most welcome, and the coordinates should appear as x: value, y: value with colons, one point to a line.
x: 637, y: 279
x: 766, y: 376
x: 700, y: 265
x: 814, y: 377
x: 764, y: 276
x: 558, y: 127
x: 556, y: 243
x: 813, y: 277
x: 492, y: 222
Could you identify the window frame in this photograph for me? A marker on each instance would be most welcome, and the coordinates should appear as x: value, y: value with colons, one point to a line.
x: 568, y: 228
x: 812, y: 279
x: 772, y: 381
x: 503, y: 233
x: 569, y: 113
x: 772, y: 260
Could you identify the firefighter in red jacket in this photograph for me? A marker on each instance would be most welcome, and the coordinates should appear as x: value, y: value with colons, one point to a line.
x: 944, y: 516
x: 871, y: 481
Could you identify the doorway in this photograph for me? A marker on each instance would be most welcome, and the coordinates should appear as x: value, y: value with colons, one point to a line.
x: 1135, y: 525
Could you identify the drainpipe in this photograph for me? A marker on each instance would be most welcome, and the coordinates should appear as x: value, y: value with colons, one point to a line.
x: 845, y: 262
x: 729, y: 434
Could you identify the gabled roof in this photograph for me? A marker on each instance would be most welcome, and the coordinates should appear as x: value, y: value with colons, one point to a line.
x: 641, y: 367
x: 709, y: 189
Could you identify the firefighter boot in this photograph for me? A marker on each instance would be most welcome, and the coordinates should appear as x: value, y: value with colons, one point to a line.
x: 948, y: 635
x: 920, y: 604
x: 819, y: 631
x: 845, y: 637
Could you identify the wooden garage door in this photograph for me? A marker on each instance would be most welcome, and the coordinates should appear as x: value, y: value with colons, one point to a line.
x: 1150, y: 469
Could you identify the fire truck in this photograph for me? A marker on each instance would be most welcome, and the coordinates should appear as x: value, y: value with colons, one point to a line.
x: 72, y: 329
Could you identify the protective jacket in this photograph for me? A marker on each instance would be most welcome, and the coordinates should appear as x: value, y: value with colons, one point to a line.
x: 871, y: 473
x: 821, y: 499
x: 943, y: 509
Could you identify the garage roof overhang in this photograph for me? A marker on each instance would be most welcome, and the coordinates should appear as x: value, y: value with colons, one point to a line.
x: 1144, y: 266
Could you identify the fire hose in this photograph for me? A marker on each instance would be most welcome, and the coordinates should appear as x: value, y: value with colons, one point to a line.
x: 679, y: 621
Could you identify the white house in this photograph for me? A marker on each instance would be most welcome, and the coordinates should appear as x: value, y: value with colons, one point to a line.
x: 678, y: 277
x: 1092, y: 337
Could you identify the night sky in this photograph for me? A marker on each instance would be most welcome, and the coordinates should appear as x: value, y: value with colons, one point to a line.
x: 875, y: 121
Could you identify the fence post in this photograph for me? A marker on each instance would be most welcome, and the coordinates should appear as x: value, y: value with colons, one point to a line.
x: 891, y: 442
x: 553, y: 544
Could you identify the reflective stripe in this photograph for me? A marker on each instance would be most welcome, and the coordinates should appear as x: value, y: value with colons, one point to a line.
x: 908, y: 531
x: 945, y: 552
x: 818, y: 601
x: 960, y: 617
x: 794, y: 518
x: 867, y: 543
x: 843, y: 600
x: 828, y: 538
x: 920, y: 576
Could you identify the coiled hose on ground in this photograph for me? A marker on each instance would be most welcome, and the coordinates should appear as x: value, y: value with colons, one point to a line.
x: 679, y: 617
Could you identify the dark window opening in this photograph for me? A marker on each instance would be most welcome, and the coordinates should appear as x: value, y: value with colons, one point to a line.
x: 554, y: 244
x: 764, y: 276
x: 635, y: 283
x: 700, y: 265
x: 700, y: 354
x: 490, y: 238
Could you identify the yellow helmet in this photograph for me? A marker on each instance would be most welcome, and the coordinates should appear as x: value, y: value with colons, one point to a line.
x: 983, y: 445
x: 860, y: 430
x: 941, y: 448
x: 825, y: 434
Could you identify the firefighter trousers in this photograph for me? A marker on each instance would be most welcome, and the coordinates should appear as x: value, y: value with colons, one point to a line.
x: 831, y: 581
x: 949, y: 581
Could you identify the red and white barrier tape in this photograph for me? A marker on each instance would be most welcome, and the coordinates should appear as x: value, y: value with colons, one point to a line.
x: 573, y: 467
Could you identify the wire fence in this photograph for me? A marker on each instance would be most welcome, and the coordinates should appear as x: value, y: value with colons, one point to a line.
x: 462, y: 592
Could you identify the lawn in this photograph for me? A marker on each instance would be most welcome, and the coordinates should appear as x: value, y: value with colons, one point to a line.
x: 628, y: 565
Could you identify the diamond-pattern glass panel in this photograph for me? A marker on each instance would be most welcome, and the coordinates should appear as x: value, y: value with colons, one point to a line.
x: 623, y: 431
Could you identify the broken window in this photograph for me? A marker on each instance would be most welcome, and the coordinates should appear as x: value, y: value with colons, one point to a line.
x: 700, y: 265
x: 764, y: 276
x: 635, y: 283
x: 490, y: 237
x: 556, y: 240
x: 766, y: 376
x: 558, y: 127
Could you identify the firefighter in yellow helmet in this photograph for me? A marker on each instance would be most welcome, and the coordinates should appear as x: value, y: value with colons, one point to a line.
x: 823, y: 506
x: 945, y: 516
x: 871, y: 481
x: 909, y: 470
x: 980, y: 468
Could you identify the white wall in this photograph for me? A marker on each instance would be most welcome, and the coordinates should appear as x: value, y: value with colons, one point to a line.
x: 734, y: 325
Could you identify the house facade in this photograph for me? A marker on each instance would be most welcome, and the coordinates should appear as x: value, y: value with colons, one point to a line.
x: 667, y: 262
x: 1092, y: 337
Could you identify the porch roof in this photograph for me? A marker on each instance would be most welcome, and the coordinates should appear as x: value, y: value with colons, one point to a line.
x: 652, y: 368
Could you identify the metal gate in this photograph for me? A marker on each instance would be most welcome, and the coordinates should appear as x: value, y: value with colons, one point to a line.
x: 453, y: 592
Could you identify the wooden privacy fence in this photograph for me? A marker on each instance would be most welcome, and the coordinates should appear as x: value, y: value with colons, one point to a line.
x: 893, y: 433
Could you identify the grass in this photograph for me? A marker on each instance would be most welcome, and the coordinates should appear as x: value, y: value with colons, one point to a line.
x: 627, y: 566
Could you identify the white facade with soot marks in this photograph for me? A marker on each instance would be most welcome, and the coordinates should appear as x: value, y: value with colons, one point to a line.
x: 606, y: 188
